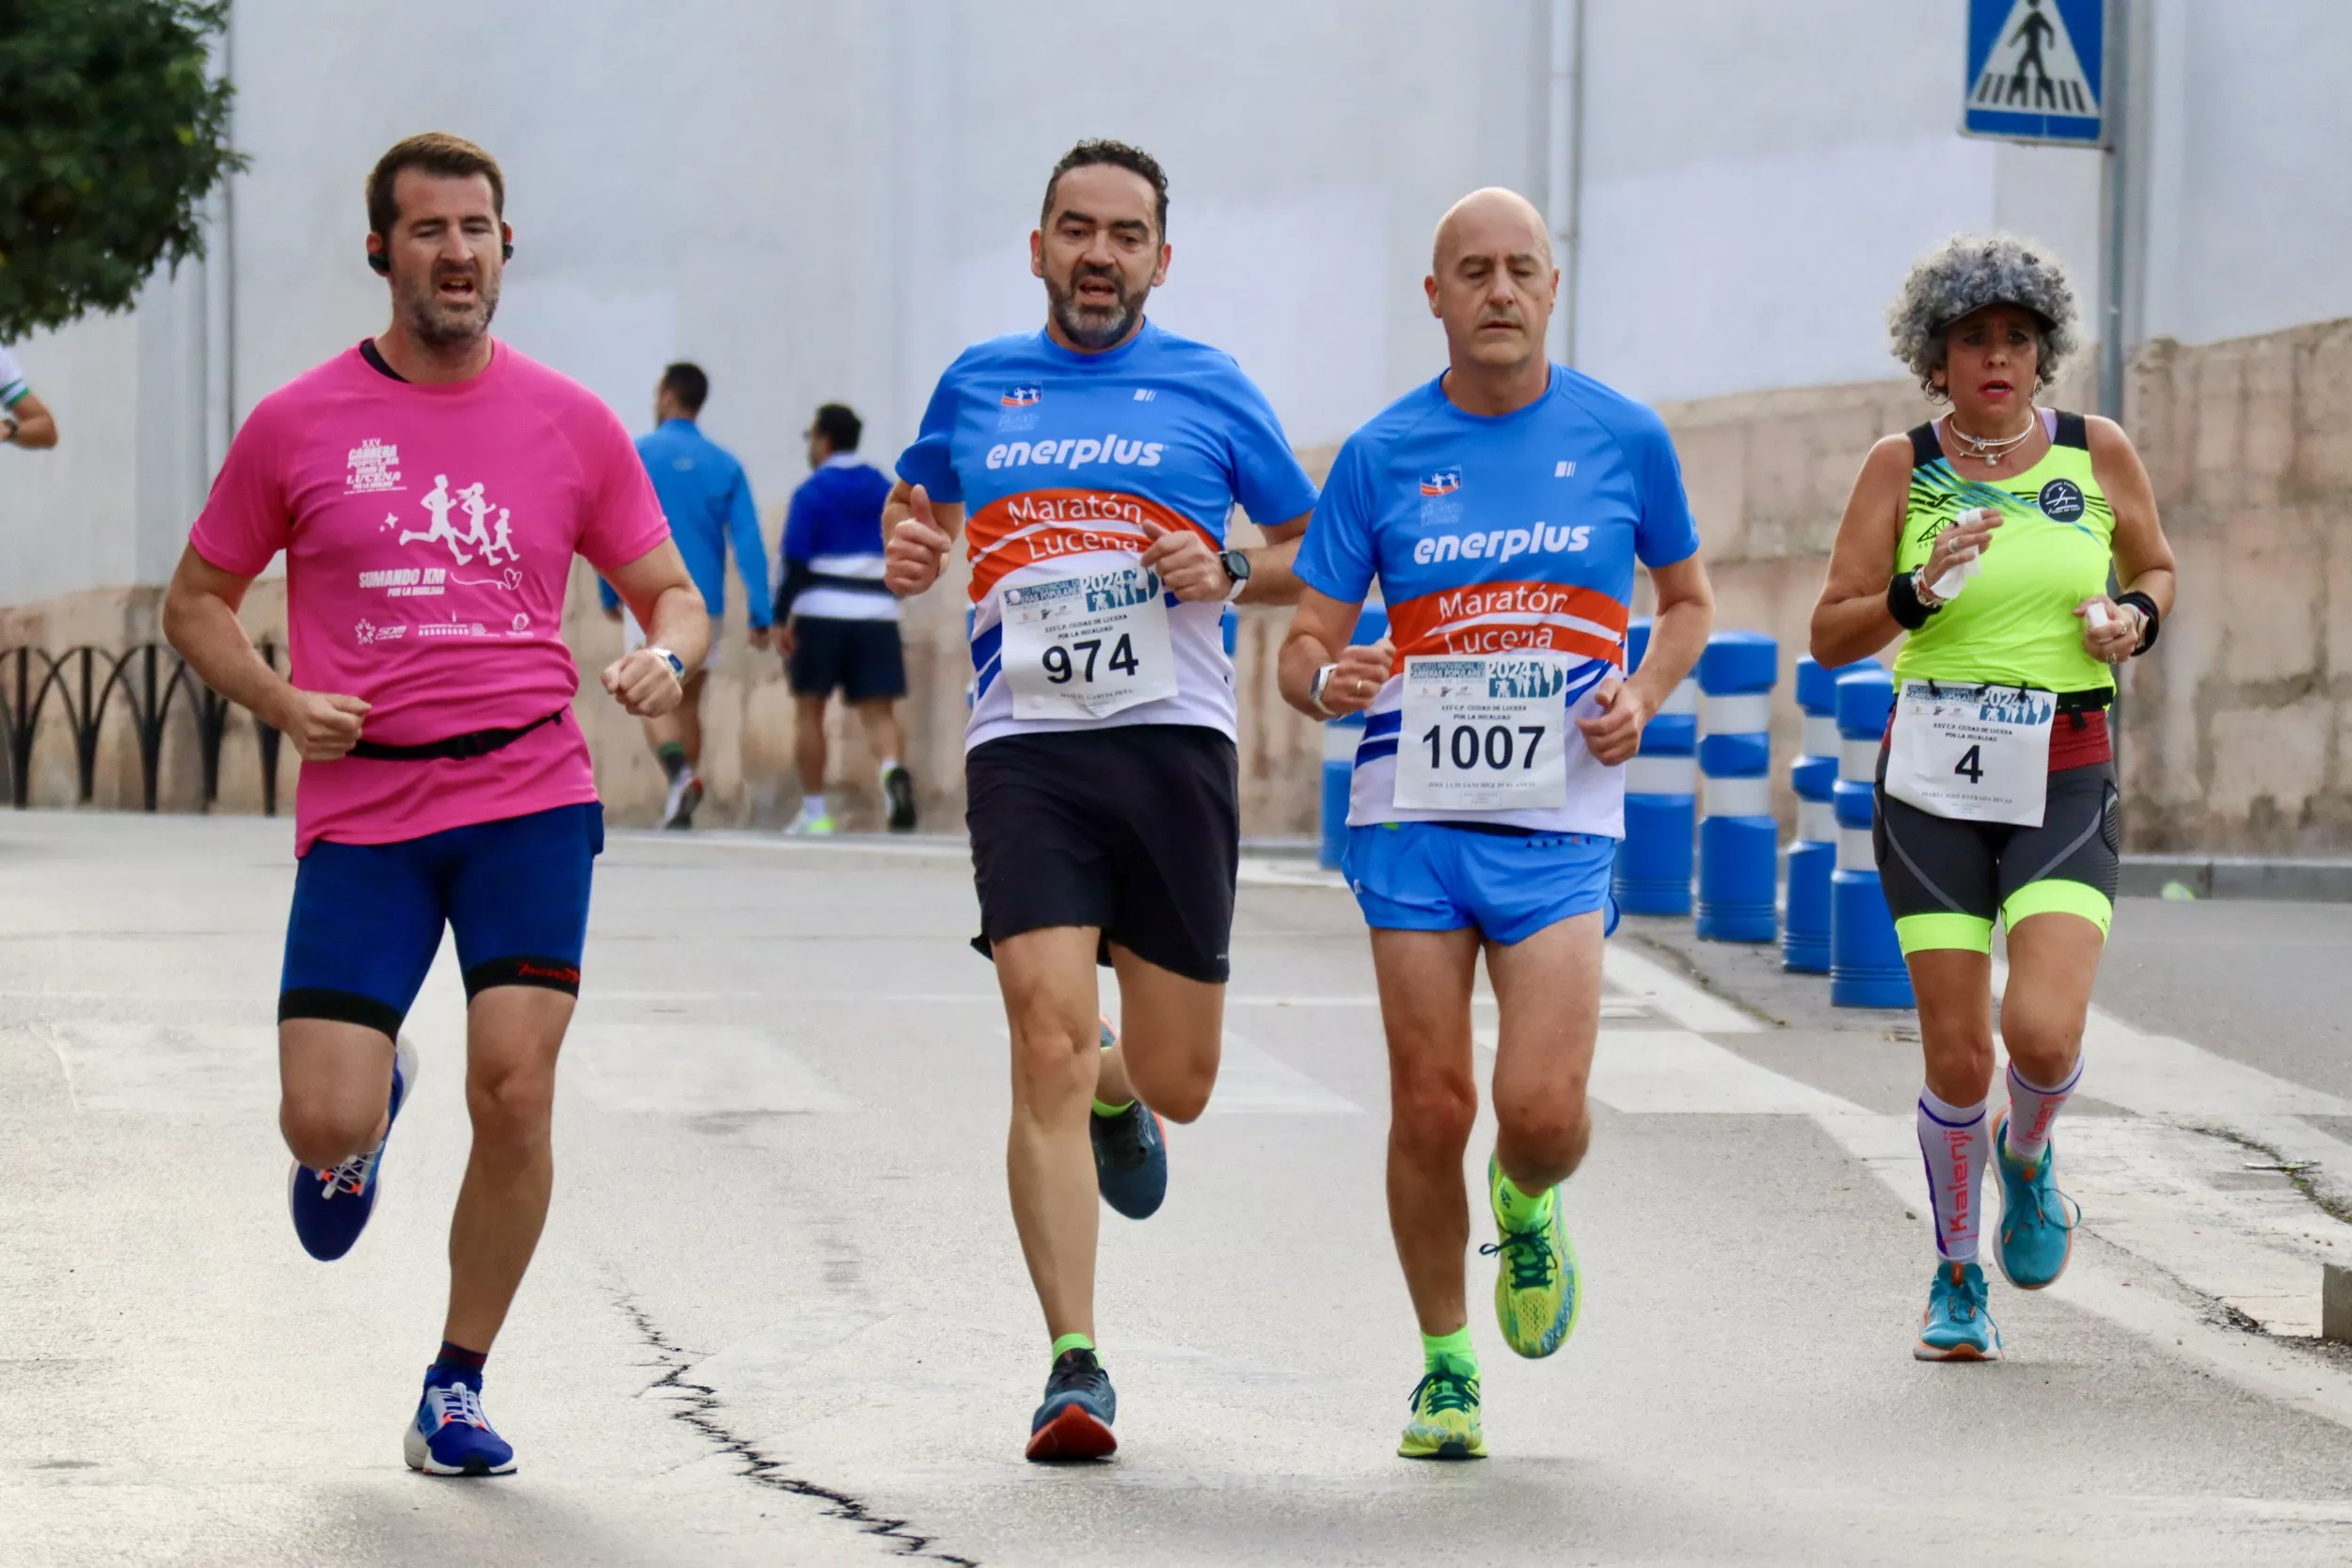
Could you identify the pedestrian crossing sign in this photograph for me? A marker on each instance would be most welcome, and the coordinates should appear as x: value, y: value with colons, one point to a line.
x: 2036, y: 70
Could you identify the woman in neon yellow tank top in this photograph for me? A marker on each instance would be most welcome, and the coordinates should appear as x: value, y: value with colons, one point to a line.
x: 1988, y: 534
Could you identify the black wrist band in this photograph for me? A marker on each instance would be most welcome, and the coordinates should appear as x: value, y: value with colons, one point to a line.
x: 2147, y: 607
x: 1911, y: 612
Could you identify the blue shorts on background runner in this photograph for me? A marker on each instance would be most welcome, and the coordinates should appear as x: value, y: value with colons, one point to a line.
x: 366, y: 918
x: 1444, y: 877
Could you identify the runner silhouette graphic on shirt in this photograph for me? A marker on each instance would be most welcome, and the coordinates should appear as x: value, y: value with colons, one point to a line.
x: 437, y: 501
x: 2035, y: 30
x: 477, y: 510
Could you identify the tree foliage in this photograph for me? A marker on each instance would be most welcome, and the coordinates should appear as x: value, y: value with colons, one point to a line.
x: 113, y: 128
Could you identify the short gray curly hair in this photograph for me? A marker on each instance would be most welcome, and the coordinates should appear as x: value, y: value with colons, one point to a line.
x: 1965, y: 275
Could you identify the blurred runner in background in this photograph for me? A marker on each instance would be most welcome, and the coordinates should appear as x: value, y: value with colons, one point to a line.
x: 25, y: 419
x: 836, y: 620
x: 709, y: 500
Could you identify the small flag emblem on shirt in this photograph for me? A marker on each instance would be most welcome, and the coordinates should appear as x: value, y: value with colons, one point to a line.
x: 1444, y: 482
x: 1023, y: 397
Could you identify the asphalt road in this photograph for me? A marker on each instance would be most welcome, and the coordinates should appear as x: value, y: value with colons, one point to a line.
x: 780, y: 1317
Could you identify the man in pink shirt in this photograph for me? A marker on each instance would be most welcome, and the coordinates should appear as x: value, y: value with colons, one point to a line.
x: 429, y: 489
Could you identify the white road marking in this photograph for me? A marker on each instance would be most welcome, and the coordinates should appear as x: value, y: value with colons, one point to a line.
x: 1649, y: 981
x: 695, y: 1070
x: 1259, y: 871
x: 166, y: 1069
x: 1251, y: 1081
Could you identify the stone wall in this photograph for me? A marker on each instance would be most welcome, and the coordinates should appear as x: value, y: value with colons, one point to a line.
x: 2233, y: 735
x: 2236, y: 739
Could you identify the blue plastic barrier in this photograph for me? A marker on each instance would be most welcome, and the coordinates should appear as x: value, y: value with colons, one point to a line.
x: 1653, y: 870
x: 1813, y: 855
x: 1866, y: 963
x: 1739, y: 840
x: 1340, y: 738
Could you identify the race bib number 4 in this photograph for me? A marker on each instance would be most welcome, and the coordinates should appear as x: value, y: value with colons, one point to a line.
x: 1486, y: 733
x: 1086, y: 647
x: 1977, y: 754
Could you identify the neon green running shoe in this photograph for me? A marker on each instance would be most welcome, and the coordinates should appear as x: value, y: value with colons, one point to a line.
x: 1538, y: 1286
x: 1445, y: 1417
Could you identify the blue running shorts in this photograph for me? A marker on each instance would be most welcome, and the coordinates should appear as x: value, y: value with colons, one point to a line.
x: 367, y: 917
x: 1440, y: 877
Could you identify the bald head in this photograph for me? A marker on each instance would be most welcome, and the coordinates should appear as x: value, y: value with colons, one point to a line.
x: 1491, y: 281
x: 1495, y: 221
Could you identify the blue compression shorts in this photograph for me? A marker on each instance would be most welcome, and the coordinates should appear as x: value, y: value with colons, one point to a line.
x: 1436, y: 876
x: 368, y: 917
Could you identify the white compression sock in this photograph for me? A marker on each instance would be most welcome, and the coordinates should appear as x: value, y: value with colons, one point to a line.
x: 2031, y: 1110
x: 1954, y: 1141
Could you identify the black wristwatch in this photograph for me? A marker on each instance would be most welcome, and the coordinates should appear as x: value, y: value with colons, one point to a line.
x: 1236, y: 570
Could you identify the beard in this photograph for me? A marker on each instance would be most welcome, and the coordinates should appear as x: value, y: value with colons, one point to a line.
x: 448, y: 327
x: 1095, y: 326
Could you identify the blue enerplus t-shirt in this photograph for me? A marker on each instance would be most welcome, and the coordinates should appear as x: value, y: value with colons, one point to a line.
x: 1060, y: 457
x: 1501, y: 535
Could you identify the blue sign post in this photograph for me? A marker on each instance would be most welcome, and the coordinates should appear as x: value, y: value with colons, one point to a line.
x: 2037, y: 72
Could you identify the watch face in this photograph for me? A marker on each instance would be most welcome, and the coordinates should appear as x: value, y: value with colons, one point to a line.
x: 1236, y: 564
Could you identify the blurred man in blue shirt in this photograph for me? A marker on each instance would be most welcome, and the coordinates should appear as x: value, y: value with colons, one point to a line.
x: 838, y: 624
x: 708, y: 501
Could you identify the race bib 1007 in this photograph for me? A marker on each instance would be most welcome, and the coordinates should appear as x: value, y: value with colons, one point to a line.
x: 1976, y: 754
x: 1087, y: 645
x: 1484, y: 734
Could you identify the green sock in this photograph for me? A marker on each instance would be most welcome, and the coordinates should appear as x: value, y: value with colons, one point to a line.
x: 1453, y: 1350
x: 1121, y: 1109
x: 1068, y: 1342
x: 1518, y: 1211
x: 672, y: 756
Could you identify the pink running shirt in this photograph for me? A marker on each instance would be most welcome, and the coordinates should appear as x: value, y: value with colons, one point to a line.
x: 429, y: 533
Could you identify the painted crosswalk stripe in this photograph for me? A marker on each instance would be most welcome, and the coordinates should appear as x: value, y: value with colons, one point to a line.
x: 695, y: 1070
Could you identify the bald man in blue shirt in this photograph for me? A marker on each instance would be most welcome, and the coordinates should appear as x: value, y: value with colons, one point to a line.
x: 707, y: 499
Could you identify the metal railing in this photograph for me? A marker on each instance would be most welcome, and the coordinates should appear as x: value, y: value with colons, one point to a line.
x: 84, y: 682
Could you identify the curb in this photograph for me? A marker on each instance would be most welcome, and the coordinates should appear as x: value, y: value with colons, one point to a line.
x: 2319, y: 881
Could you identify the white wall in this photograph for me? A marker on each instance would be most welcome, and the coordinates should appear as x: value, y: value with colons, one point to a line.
x: 2246, y: 131
x: 820, y: 201
x: 1757, y: 179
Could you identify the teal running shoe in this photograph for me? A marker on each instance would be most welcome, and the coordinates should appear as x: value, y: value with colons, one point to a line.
x: 1538, y: 1287
x: 1130, y: 1154
x: 1956, y: 1326
x: 1445, y: 1417
x: 2037, y: 1234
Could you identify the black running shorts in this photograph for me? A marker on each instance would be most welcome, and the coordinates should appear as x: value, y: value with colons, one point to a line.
x: 1946, y: 881
x: 861, y: 660
x: 1135, y: 830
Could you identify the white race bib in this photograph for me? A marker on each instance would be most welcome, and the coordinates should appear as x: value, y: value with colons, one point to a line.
x: 1484, y: 734
x: 1977, y: 754
x: 1087, y: 645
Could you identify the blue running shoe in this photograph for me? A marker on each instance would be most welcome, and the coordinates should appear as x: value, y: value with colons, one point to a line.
x: 451, y: 1437
x: 1074, y: 1423
x: 1956, y: 1326
x: 331, y: 1207
x: 2037, y: 1234
x: 1130, y: 1155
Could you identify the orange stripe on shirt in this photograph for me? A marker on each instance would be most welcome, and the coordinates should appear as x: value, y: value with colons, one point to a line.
x: 1509, y: 617
x: 1038, y: 526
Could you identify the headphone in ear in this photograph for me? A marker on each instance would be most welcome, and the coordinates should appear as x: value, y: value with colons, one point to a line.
x: 381, y: 263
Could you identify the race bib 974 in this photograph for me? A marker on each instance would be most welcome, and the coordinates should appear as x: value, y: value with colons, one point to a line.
x: 1976, y: 754
x: 1087, y: 645
x: 1484, y: 734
